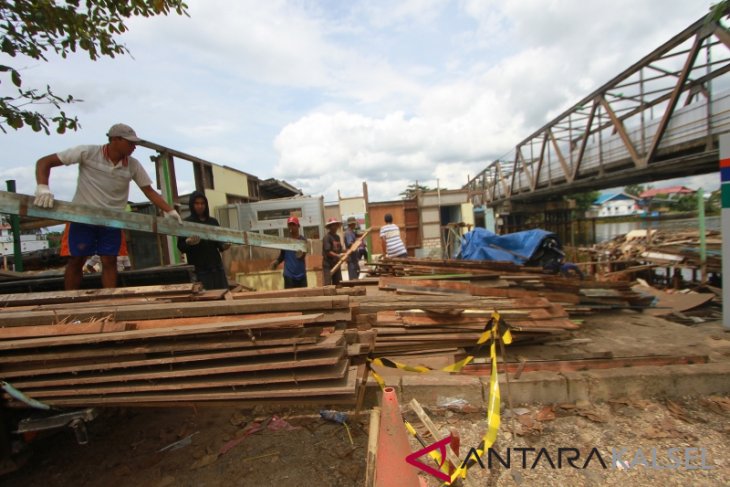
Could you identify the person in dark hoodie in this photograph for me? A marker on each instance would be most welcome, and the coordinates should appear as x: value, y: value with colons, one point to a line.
x: 204, y: 254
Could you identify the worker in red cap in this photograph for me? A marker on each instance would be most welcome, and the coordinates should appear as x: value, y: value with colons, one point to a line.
x: 295, y: 269
x: 331, y: 250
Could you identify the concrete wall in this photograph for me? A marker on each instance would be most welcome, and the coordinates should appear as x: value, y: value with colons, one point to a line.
x: 352, y: 206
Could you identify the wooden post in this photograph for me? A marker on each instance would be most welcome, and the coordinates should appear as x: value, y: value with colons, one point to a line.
x: 15, y: 226
x: 168, y: 186
x: 373, y: 434
x: 703, y: 234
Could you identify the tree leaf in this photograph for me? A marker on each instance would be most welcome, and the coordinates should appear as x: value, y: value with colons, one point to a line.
x: 15, y: 77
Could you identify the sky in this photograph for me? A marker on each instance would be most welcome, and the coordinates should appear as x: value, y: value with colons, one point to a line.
x: 328, y: 94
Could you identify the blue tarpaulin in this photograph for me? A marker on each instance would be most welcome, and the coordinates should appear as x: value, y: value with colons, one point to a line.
x: 519, y: 247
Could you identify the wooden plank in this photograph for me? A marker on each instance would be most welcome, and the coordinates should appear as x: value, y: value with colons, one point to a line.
x: 22, y: 205
x: 557, y: 297
x: 372, y: 451
x: 231, y: 380
x: 7, y: 300
x: 178, y: 346
x: 355, y: 245
x: 173, y: 331
x: 105, y: 326
x: 96, y: 303
x: 344, y: 386
x: 14, y: 333
x: 175, y: 310
x: 313, y: 359
x: 285, y: 293
x: 26, y: 370
x: 434, y: 432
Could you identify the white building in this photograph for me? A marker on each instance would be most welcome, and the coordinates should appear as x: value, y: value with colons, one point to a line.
x: 617, y: 204
x: 28, y: 243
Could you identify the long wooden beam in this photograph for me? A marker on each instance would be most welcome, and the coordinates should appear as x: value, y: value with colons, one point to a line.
x: 19, y: 204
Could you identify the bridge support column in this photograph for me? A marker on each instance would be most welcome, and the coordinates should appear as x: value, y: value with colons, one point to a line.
x: 725, y: 218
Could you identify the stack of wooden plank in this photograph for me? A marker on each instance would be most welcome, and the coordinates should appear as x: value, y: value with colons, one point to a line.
x: 504, y: 279
x: 75, y: 351
x: 418, y: 323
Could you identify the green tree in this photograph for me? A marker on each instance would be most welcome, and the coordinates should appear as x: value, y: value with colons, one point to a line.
x: 634, y: 189
x: 713, y: 203
x: 412, y: 190
x: 684, y: 203
x: 35, y: 28
x: 584, y: 201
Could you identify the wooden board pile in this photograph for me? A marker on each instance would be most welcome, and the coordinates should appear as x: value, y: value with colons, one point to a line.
x: 505, y: 279
x: 421, y: 323
x: 148, y: 346
x: 661, y: 248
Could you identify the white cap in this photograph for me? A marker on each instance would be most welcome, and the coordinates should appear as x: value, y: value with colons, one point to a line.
x: 123, y: 131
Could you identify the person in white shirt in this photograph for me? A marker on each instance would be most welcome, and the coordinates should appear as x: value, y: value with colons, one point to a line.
x: 390, y: 239
x: 105, y: 172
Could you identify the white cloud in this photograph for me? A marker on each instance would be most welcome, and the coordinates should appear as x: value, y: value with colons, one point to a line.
x: 329, y: 94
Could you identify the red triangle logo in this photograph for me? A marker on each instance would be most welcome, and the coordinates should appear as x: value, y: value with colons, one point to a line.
x: 413, y: 459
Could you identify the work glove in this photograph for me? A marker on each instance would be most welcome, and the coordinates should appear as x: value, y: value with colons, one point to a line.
x: 174, y: 215
x: 43, y: 196
x: 274, y: 265
x: 299, y: 254
x: 194, y: 240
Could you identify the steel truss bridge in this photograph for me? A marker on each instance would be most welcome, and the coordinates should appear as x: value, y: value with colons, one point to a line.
x: 658, y: 119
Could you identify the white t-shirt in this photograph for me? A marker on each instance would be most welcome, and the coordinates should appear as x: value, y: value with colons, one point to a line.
x: 393, y: 243
x: 102, y: 183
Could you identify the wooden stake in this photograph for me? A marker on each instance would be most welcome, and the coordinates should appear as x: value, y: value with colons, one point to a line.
x: 373, y: 434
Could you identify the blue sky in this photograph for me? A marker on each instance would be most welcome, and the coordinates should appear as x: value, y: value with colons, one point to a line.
x: 328, y: 94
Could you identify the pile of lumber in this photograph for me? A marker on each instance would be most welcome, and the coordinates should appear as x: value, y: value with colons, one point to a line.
x: 660, y: 248
x: 421, y: 323
x: 505, y: 279
x: 158, y: 345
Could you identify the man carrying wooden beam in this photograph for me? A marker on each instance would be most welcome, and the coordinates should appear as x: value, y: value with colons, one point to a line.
x: 105, y: 172
x: 295, y: 268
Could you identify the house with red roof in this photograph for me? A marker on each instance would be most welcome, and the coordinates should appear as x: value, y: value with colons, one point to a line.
x: 671, y: 192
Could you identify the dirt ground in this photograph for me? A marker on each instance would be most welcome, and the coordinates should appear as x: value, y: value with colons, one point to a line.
x: 125, y: 444
x: 236, y: 446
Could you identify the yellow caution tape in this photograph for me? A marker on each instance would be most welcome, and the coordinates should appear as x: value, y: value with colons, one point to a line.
x: 434, y: 454
x: 493, y: 419
x: 496, y: 329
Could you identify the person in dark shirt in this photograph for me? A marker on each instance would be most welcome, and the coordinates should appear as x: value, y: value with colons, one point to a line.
x: 353, y: 261
x: 331, y: 250
x: 204, y: 254
x: 295, y: 269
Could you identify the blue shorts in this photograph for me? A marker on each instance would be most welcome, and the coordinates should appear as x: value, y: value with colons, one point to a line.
x: 81, y: 240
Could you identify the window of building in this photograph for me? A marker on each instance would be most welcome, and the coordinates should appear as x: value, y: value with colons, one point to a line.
x: 203, y: 176
x: 253, y: 189
x: 283, y: 214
